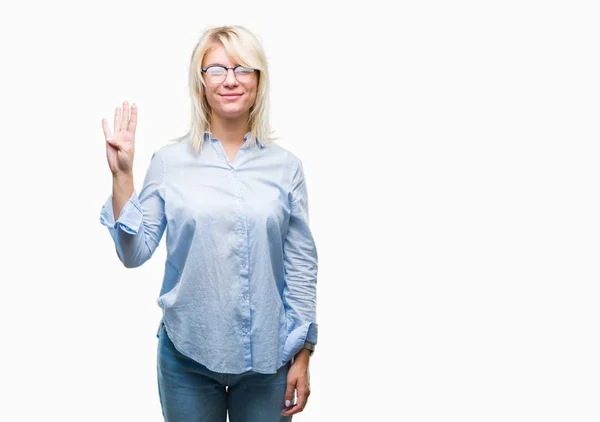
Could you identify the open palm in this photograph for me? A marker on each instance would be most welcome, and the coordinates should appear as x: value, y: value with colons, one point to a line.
x: 120, y: 148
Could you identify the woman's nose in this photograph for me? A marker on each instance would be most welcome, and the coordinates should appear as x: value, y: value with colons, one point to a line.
x: 230, y: 79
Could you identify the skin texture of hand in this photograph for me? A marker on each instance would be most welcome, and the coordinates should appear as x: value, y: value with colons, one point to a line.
x: 120, y: 148
x: 298, y: 378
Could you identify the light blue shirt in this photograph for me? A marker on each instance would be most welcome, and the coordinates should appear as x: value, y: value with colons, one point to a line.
x: 239, y: 285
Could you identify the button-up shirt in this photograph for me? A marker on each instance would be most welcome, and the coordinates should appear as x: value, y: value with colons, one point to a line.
x: 239, y: 285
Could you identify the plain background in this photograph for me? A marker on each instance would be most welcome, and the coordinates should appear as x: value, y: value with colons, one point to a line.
x: 451, y: 155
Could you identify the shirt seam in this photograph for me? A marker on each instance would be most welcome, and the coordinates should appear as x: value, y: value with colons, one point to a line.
x: 163, y: 174
x: 293, y: 184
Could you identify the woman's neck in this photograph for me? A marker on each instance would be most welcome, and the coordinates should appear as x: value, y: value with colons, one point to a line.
x: 229, y: 132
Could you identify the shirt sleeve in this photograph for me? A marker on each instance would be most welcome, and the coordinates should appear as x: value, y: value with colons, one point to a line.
x: 141, y: 223
x: 300, y: 263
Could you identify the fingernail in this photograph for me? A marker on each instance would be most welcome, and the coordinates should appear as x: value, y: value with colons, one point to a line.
x: 287, y: 403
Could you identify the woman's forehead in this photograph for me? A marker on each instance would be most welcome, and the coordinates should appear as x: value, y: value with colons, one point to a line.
x: 217, y: 55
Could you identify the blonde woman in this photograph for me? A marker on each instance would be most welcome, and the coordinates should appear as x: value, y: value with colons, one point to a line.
x: 238, y: 296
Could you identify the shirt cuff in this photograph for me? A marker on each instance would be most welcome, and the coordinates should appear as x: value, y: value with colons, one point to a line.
x: 131, y: 216
x: 297, y: 337
x: 310, y: 346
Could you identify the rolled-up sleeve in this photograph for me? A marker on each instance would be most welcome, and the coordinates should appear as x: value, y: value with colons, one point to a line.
x: 300, y: 263
x: 141, y: 223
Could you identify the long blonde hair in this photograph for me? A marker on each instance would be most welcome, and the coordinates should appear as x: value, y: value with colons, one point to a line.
x: 245, y: 49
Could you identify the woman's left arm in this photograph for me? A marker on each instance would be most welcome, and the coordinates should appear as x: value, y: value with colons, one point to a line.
x: 300, y: 267
x: 300, y: 262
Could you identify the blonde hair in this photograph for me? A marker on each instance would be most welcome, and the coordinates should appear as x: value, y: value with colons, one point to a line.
x: 244, y: 48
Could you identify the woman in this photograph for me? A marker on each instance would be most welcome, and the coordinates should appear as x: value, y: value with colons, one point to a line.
x: 238, y: 296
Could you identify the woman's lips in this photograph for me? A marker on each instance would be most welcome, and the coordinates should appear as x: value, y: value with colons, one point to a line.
x: 231, y: 96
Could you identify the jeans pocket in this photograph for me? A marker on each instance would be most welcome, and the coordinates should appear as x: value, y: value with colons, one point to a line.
x: 160, y: 328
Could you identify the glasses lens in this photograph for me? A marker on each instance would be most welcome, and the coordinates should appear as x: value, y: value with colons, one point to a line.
x: 216, y: 74
x: 244, y: 74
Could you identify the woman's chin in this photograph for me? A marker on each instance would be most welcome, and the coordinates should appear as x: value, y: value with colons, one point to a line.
x: 232, y: 112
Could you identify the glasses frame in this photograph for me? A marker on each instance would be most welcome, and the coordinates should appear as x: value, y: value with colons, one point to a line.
x: 254, y: 74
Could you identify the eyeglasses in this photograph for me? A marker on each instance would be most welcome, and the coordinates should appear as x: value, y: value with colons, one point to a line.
x: 216, y: 74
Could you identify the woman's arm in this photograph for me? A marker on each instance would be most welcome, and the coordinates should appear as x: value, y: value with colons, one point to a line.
x: 122, y: 189
x: 300, y: 262
x: 141, y: 219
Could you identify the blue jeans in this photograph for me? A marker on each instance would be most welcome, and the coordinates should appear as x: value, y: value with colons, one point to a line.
x: 190, y: 392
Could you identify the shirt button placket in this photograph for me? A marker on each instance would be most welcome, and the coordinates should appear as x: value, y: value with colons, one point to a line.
x: 242, y: 231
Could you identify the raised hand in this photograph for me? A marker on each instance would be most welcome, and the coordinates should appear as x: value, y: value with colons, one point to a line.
x: 120, y: 148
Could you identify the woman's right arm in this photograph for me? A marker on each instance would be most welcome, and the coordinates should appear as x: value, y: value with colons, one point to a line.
x: 141, y: 219
x: 135, y: 222
x: 121, y: 192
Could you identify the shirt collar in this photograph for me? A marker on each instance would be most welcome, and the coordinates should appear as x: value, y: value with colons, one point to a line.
x: 207, y: 136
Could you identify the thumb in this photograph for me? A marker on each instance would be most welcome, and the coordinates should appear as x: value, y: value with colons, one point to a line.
x: 114, y: 143
x: 289, y: 393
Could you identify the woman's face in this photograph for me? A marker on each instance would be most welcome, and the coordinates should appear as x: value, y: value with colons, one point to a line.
x: 229, y: 99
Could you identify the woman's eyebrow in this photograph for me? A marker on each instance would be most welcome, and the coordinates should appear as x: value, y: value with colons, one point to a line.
x: 215, y: 64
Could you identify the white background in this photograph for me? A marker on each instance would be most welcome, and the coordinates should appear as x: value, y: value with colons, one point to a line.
x: 451, y: 155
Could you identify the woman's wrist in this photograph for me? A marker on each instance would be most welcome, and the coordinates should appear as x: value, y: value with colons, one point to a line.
x: 302, y: 356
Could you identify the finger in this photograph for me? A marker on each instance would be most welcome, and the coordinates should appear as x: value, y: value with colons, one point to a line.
x: 125, y: 116
x: 108, y: 137
x: 107, y: 134
x: 117, y: 122
x: 289, y: 393
x: 292, y: 410
x: 133, y: 120
x: 301, y: 400
x: 114, y: 144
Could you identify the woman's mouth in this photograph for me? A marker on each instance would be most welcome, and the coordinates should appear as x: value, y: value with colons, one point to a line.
x: 231, y: 96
